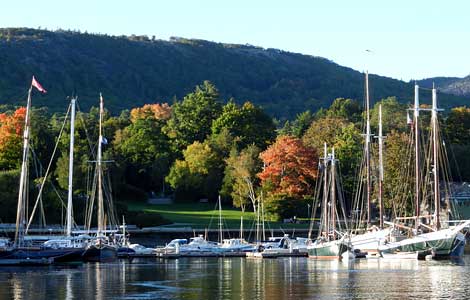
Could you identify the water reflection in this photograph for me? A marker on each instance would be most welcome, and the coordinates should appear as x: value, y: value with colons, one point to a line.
x: 238, y: 278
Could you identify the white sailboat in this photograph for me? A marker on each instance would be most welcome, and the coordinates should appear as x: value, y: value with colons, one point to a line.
x: 370, y: 240
x: 332, y: 241
x: 429, y: 239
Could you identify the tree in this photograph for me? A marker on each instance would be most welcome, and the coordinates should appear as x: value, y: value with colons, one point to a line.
x: 324, y: 130
x: 343, y: 108
x: 11, y: 131
x: 457, y: 126
x: 145, y: 150
x: 290, y: 167
x: 398, y: 170
x: 194, y: 176
x: 393, y: 115
x: 298, y: 127
x: 240, y: 178
x: 248, y: 124
x: 155, y: 111
x: 345, y: 138
x: 191, y: 119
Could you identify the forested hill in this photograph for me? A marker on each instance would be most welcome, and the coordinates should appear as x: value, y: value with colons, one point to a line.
x: 133, y: 70
x: 451, y: 85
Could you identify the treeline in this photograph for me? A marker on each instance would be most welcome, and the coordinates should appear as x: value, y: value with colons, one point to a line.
x: 134, y: 70
x: 199, y: 148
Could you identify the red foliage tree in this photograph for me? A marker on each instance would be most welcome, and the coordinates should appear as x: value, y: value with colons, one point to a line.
x: 156, y: 111
x: 11, y: 130
x: 290, y: 167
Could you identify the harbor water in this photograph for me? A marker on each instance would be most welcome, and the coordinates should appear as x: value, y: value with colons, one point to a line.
x: 241, y: 278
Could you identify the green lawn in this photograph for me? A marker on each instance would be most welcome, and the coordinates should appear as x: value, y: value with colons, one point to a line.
x: 204, y: 215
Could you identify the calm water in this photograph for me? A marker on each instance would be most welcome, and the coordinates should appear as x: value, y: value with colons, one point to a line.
x: 237, y: 278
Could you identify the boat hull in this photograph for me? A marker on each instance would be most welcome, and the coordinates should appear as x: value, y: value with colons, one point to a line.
x: 327, y: 250
x: 440, y: 246
x: 61, y: 255
x: 102, y: 253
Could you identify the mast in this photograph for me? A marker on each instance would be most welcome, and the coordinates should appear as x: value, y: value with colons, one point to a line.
x: 325, y: 191
x: 258, y: 224
x: 70, y: 190
x: 435, y: 150
x: 221, y: 237
x: 416, y: 128
x: 124, y: 231
x: 23, y: 188
x: 381, y: 170
x: 100, y: 216
x: 333, y: 194
x: 262, y: 217
x: 367, y: 151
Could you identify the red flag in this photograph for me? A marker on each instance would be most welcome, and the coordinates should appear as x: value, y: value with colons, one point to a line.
x: 38, y: 86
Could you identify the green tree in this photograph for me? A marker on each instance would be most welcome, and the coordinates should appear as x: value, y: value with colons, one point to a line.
x: 240, y: 181
x: 194, y: 176
x: 192, y: 118
x: 348, y: 109
x: 393, y: 115
x: 344, y: 136
x: 145, y: 153
x: 248, y: 124
x: 298, y: 127
x: 457, y: 126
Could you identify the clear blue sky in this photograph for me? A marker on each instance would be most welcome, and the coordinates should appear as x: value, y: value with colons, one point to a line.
x: 409, y: 39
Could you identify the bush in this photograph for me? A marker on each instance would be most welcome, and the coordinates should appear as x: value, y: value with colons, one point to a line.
x: 145, y: 219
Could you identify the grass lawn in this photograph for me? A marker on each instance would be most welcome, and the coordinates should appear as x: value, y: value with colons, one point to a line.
x: 205, y: 215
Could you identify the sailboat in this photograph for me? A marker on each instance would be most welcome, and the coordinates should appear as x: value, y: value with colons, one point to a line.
x: 370, y: 240
x: 432, y: 238
x: 21, y: 249
x: 101, y: 247
x: 332, y: 242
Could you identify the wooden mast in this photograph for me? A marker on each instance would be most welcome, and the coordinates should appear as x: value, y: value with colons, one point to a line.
x: 23, y: 188
x: 380, y: 137
x: 100, y: 215
x: 437, y: 202
x: 333, y: 193
x: 367, y: 152
x: 325, y: 192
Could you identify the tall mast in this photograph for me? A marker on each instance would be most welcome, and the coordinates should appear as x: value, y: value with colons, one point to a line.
x: 23, y: 188
x: 325, y: 191
x: 100, y: 173
x: 381, y: 169
x: 437, y: 202
x: 220, y: 222
x: 416, y: 128
x: 70, y: 190
x: 367, y: 151
x: 333, y: 194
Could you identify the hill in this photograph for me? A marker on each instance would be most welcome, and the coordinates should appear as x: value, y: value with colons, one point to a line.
x: 450, y: 85
x: 133, y: 70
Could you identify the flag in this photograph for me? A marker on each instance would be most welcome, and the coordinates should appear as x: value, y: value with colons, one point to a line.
x: 38, y: 86
x: 104, y: 141
x: 408, y: 119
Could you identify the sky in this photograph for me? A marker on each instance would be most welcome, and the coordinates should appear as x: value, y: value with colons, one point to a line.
x: 407, y: 40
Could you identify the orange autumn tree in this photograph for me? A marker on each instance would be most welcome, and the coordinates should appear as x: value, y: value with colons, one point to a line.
x: 11, y: 130
x: 290, y: 168
x: 156, y: 111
